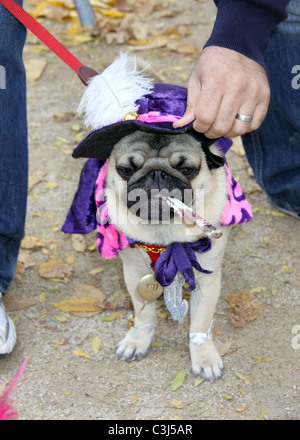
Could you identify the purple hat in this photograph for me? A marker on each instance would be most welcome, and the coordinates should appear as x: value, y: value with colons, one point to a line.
x: 119, y: 102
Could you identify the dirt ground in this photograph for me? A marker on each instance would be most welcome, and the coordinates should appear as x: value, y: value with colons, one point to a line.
x: 261, y: 378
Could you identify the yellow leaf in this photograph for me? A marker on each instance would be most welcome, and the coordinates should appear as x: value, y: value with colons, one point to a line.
x: 113, y: 14
x: 81, y: 354
x: 67, y: 393
x: 286, y: 269
x: 138, y: 42
x: 262, y: 414
x: 157, y: 344
x: 54, y: 268
x: 112, y: 316
x: 96, y: 270
x: 70, y: 258
x: 227, y: 397
x: 178, y: 381
x: 96, y: 342
x: 61, y: 318
x: 177, y: 68
x: 259, y: 359
x: 198, y: 382
x: 39, y: 48
x: 133, y: 400
x: 80, y: 305
x: 42, y: 297
x: 183, y: 76
x: 243, y: 378
x: 51, y: 185
x: 257, y: 289
x: 243, y: 408
x: 92, y: 247
x: 277, y: 214
x: 31, y: 243
x: 161, y: 314
x: 80, y: 39
x: 176, y: 403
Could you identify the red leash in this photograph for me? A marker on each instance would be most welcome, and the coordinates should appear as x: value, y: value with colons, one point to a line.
x: 84, y: 72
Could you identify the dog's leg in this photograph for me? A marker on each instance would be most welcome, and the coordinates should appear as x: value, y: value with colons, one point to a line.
x: 206, y: 361
x: 136, y: 343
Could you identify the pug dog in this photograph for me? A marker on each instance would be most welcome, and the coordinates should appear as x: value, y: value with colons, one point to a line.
x: 142, y: 178
x: 177, y: 165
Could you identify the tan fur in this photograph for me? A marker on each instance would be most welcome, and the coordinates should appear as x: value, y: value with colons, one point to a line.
x: 205, y: 359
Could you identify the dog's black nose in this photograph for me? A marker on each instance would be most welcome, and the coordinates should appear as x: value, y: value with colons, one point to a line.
x: 159, y: 178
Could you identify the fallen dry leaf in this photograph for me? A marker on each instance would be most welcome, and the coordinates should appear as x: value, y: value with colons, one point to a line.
x: 81, y: 354
x: 78, y: 242
x: 35, y: 178
x: 178, y: 380
x: 31, y: 243
x: 243, y: 378
x: 245, y: 306
x: 14, y: 302
x: 224, y: 347
x: 183, y: 47
x: 80, y: 305
x: 55, y: 268
x: 24, y: 262
x: 176, y: 403
x: 88, y: 290
x: 51, y: 11
x: 156, y: 44
x: 147, y: 7
x: 112, y: 316
x: 34, y: 68
x: 237, y: 146
x: 95, y: 344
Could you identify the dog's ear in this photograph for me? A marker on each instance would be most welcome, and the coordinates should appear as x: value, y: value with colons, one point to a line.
x: 213, y: 161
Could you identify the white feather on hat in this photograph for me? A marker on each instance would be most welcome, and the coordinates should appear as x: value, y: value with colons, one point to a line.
x: 113, y: 93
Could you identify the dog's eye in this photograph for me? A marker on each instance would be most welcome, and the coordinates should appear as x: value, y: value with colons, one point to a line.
x: 124, y: 172
x: 189, y: 172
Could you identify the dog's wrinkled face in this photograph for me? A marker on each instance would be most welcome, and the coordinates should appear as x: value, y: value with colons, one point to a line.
x: 148, y: 164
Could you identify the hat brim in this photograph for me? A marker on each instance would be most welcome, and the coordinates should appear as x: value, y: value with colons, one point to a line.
x: 100, y: 143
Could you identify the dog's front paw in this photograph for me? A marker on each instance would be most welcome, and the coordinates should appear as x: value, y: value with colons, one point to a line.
x: 206, y: 361
x: 135, y: 345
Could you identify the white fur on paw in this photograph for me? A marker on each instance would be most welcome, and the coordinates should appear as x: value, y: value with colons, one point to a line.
x: 206, y: 361
x: 135, y: 345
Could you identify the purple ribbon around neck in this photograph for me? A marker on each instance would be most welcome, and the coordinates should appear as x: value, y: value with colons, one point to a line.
x: 181, y: 257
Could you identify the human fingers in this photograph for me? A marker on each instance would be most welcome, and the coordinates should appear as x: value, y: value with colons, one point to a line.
x: 240, y: 115
x: 241, y: 127
x: 226, y: 122
x: 193, y: 91
x: 207, y: 106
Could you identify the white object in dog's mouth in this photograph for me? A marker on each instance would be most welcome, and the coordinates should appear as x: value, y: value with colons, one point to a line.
x: 185, y: 211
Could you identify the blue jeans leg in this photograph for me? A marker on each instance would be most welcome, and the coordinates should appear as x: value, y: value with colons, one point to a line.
x: 273, y: 150
x: 13, y: 145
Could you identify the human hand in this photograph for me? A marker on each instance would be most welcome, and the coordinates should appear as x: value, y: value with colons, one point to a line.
x: 224, y: 83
